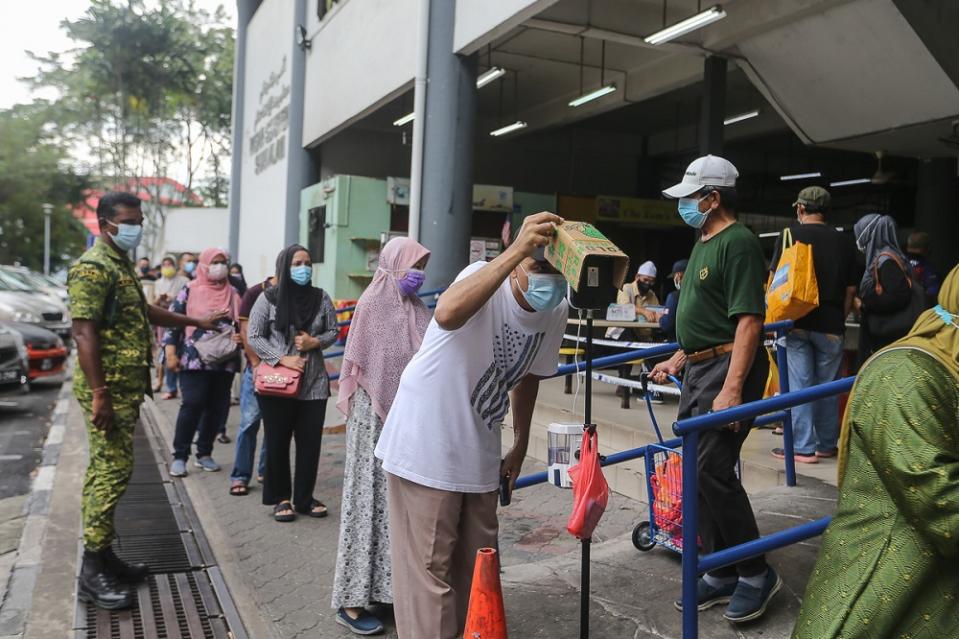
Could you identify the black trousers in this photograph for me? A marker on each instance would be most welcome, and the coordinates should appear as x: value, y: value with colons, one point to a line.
x: 205, y: 405
x: 725, y: 515
x: 285, y: 420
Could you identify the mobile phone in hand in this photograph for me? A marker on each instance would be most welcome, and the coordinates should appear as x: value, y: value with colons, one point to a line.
x: 505, y: 492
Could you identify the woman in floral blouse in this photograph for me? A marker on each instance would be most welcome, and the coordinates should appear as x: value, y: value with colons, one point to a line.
x: 204, y: 385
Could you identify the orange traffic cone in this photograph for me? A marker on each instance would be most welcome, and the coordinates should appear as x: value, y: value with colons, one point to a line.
x: 486, y: 618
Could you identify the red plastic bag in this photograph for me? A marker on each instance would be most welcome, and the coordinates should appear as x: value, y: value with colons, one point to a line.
x: 590, y: 490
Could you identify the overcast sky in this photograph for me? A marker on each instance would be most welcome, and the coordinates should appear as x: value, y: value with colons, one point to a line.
x: 35, y: 25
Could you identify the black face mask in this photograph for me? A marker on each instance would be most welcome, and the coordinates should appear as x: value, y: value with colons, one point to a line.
x: 643, y: 286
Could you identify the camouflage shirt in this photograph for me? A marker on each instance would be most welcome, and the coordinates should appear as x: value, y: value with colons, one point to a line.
x: 104, y: 289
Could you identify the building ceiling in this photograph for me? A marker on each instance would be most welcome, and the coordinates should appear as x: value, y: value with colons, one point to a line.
x: 847, y: 74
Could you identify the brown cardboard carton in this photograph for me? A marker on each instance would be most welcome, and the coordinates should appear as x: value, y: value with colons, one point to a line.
x: 588, y: 261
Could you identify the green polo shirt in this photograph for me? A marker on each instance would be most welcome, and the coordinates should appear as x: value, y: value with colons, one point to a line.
x: 724, y: 279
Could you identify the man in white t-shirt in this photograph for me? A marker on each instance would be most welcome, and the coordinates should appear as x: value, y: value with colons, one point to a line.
x: 496, y: 331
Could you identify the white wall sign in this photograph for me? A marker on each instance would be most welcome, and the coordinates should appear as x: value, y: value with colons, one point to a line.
x: 266, y: 101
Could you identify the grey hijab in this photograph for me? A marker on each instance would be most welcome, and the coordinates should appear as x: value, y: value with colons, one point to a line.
x: 876, y: 234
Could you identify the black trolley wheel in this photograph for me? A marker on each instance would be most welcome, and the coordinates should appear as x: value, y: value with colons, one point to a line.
x: 642, y: 537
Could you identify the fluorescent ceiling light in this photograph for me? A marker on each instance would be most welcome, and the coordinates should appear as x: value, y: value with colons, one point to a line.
x: 800, y: 176
x: 683, y: 27
x: 488, y: 76
x: 406, y: 118
x: 772, y: 234
x: 733, y: 119
x: 851, y: 182
x: 509, y: 128
x: 593, y: 95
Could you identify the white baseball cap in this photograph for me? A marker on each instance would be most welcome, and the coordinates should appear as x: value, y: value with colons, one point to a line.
x: 709, y: 170
x: 648, y: 269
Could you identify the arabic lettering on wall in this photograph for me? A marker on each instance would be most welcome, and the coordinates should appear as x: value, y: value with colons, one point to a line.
x: 268, y: 142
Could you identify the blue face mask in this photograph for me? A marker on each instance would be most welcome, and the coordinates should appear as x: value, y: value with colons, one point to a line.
x: 689, y: 211
x: 301, y: 274
x: 127, y: 236
x: 544, y: 292
x: 189, y: 267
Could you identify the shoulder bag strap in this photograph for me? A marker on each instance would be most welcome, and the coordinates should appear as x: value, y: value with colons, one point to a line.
x: 894, y: 258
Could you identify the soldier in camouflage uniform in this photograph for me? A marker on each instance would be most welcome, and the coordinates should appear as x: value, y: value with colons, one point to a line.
x: 111, y: 323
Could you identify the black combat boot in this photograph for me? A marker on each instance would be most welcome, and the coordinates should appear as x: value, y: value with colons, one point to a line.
x: 122, y: 570
x: 98, y: 585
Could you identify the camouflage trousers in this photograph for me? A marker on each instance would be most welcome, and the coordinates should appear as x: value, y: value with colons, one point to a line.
x: 111, y: 454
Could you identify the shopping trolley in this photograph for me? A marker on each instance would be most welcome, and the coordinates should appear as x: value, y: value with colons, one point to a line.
x: 664, y: 488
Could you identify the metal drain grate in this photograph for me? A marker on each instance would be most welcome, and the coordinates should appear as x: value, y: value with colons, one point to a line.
x: 170, y: 606
x: 177, y: 601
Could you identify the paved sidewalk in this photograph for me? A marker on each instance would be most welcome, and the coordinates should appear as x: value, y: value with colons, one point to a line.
x: 286, y: 570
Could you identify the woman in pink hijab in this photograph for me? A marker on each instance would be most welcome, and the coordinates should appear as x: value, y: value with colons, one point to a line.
x: 204, y: 381
x: 386, y: 331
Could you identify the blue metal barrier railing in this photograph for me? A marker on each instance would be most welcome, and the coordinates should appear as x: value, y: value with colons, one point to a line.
x: 347, y: 309
x: 689, y: 430
x: 780, y: 328
x: 350, y: 321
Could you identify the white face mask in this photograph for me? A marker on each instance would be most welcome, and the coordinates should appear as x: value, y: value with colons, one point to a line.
x: 218, y: 272
x: 677, y: 281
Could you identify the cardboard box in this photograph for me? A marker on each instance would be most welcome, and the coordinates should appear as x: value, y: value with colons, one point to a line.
x: 594, y: 267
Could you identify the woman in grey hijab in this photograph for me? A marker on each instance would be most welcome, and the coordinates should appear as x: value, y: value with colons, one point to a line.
x: 885, y: 286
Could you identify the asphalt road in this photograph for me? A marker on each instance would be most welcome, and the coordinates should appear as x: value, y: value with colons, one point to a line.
x: 22, y: 431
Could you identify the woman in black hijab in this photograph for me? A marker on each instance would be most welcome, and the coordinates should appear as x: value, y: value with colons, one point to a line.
x: 237, y: 279
x: 290, y: 325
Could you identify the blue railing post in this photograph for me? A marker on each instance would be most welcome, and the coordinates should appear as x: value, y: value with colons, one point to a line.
x: 690, y: 535
x: 782, y: 362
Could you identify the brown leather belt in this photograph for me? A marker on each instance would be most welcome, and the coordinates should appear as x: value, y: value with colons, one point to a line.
x: 709, y: 353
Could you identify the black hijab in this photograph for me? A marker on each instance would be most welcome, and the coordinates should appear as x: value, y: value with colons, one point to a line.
x: 296, y: 305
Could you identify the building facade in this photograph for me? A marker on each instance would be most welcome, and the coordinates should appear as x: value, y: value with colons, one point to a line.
x: 578, y: 105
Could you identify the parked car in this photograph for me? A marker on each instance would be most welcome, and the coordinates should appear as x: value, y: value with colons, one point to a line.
x: 46, y: 352
x: 13, y: 363
x: 40, y: 281
x: 21, y: 302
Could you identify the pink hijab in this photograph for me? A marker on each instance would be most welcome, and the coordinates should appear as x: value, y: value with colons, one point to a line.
x: 386, y: 331
x: 207, y: 296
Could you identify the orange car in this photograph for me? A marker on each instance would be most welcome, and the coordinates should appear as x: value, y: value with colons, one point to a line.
x: 46, y: 352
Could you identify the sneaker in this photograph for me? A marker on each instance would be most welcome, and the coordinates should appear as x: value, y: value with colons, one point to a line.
x: 178, y: 468
x: 656, y: 398
x: 826, y: 454
x: 365, y: 624
x: 708, y: 596
x: 207, y: 464
x: 749, y: 602
x: 802, y: 458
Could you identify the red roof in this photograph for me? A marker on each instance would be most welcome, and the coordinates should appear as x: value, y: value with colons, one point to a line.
x: 168, y: 192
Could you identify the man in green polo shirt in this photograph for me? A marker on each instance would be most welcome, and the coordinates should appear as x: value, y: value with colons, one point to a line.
x: 719, y: 329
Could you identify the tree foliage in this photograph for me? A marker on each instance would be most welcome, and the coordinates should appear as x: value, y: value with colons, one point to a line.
x: 147, y: 92
x: 33, y: 171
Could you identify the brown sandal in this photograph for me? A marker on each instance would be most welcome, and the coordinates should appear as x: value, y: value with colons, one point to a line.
x: 239, y: 489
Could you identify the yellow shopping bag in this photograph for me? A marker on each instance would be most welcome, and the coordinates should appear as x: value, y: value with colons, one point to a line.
x: 793, y: 291
x: 772, y: 378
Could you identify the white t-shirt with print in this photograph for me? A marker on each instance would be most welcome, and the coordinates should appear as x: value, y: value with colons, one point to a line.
x: 443, y: 430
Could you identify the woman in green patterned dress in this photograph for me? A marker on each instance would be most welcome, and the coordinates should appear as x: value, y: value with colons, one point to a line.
x: 889, y: 563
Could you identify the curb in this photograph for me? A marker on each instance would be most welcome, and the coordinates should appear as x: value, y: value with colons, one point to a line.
x: 15, y: 607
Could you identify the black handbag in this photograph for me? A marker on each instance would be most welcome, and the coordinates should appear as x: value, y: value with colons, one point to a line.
x: 891, y: 326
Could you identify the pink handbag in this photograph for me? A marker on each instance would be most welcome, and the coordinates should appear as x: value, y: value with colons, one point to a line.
x: 276, y: 381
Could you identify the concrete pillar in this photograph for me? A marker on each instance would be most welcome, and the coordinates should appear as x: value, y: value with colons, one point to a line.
x: 244, y: 12
x: 447, y: 187
x: 713, y: 110
x: 300, y: 169
x: 937, y: 190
